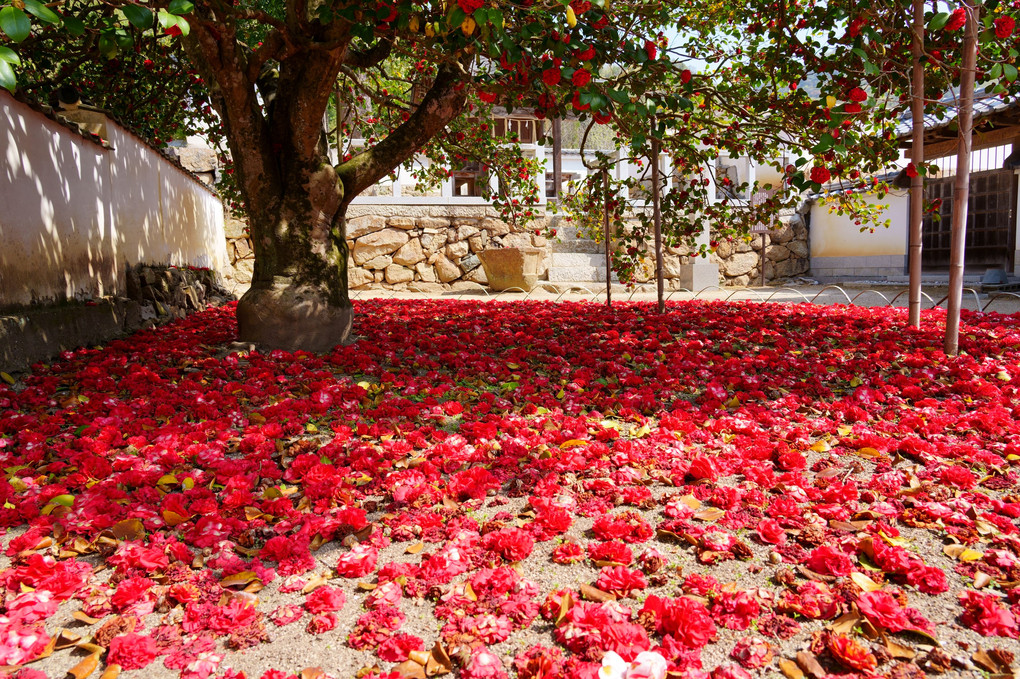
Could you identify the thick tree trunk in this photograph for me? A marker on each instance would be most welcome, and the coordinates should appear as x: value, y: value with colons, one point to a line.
x: 298, y: 298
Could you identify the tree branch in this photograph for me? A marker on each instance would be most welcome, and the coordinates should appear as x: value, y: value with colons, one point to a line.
x: 443, y: 102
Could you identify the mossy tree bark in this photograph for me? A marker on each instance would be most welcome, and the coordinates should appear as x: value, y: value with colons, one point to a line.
x: 297, y: 201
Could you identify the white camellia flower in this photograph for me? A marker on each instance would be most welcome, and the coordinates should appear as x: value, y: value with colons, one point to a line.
x: 613, y: 667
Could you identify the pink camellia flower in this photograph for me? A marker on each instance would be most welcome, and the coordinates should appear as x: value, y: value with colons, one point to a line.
x: 325, y: 599
x: 883, y: 610
x: 513, y: 544
x: 20, y: 643
x: 770, y: 532
x: 621, y: 581
x: 829, y: 561
x: 648, y: 665
x: 983, y: 614
x: 730, y: 671
x: 703, y: 469
x: 132, y: 651
x: 567, y: 553
x: 358, y: 562
x: 484, y: 665
x: 752, y: 652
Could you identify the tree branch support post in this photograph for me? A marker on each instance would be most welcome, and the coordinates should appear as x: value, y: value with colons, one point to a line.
x: 605, y: 227
x: 557, y: 135
x: 917, y: 158
x: 657, y: 222
x: 961, y: 190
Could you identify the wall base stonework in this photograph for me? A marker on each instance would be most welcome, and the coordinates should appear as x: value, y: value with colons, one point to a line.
x: 156, y: 295
x: 429, y: 247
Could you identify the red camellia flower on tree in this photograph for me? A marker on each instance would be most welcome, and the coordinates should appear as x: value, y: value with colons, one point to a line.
x: 1004, y: 26
x: 858, y: 95
x: 469, y: 6
x: 957, y: 19
x: 820, y: 174
x: 651, y: 50
x: 580, y: 78
x: 551, y: 76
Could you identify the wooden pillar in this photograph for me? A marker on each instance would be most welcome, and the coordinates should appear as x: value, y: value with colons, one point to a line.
x: 557, y: 135
x: 605, y: 228
x: 961, y: 189
x: 657, y: 222
x: 917, y: 158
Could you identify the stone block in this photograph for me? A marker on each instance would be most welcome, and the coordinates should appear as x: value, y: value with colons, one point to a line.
x: 496, y: 227
x: 740, y: 264
x: 478, y: 242
x: 447, y: 270
x: 517, y: 240
x: 406, y: 223
x: 363, y: 226
x: 234, y: 228
x: 409, y: 254
x: 433, y: 222
x: 777, y: 253
x: 398, y: 274
x: 478, y: 276
x: 425, y: 272
x: 798, y: 248
x: 433, y: 242
x: 470, y: 263
x: 457, y: 250
x: 378, y: 243
x: 465, y: 231
x: 377, y: 263
x: 512, y: 267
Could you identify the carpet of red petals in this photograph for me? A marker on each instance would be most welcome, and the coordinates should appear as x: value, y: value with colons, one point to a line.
x: 734, y: 487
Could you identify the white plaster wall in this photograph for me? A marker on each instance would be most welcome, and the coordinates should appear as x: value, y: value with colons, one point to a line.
x: 72, y: 213
x: 833, y: 235
x: 56, y: 235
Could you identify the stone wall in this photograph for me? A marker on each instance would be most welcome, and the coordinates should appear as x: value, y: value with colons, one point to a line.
x: 237, y: 277
x: 434, y: 247
x: 428, y: 247
x: 786, y: 254
x: 155, y: 295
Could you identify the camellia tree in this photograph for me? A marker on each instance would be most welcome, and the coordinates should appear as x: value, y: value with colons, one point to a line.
x: 271, y: 69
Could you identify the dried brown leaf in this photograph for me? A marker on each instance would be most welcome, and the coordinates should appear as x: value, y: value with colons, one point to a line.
x: 710, y: 514
x: 111, y: 672
x: 415, y: 548
x: 409, y: 669
x: 845, y: 623
x: 128, y: 529
x: 595, y: 594
x: 86, y: 667
x: 809, y: 663
x: 87, y: 619
x: 314, y: 583
x: 899, y: 650
x: 242, y: 579
x: 790, y: 669
x: 312, y: 673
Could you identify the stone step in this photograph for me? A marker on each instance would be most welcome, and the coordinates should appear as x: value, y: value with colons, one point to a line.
x: 577, y: 259
x: 587, y: 246
x: 577, y: 274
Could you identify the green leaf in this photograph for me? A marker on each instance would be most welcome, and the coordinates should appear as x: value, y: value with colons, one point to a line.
x: 108, y: 45
x: 7, y: 79
x: 824, y: 144
x: 74, y: 26
x: 938, y: 21
x: 619, y: 96
x: 1010, y: 72
x: 183, y: 24
x: 140, y: 17
x: 496, y: 19
x: 179, y: 7
x: 42, y: 11
x: 481, y: 16
x: 15, y: 23
x: 996, y: 72
x: 10, y: 56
